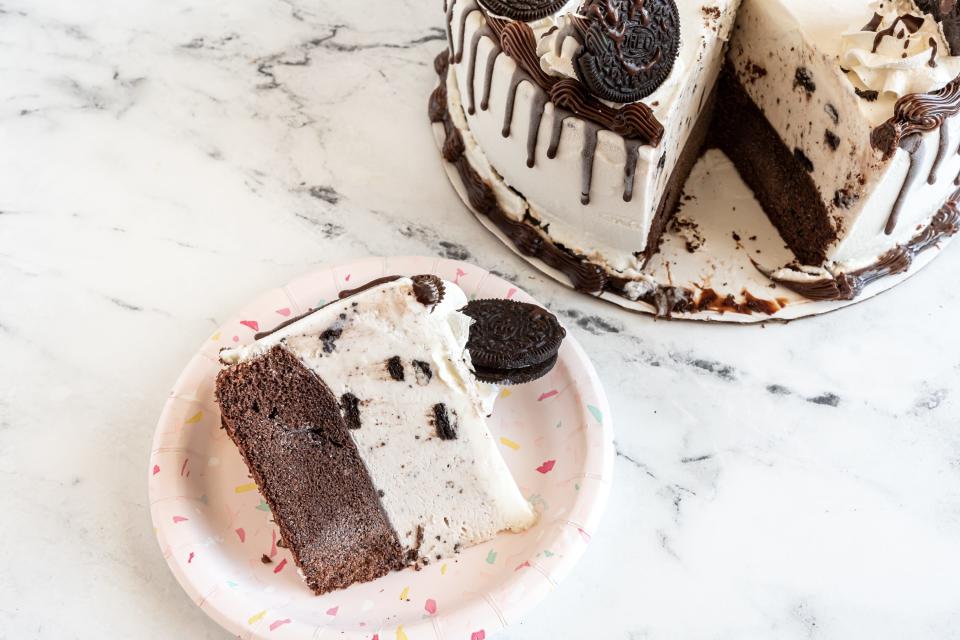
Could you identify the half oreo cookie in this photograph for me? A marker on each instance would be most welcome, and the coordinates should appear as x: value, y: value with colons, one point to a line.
x: 515, y: 376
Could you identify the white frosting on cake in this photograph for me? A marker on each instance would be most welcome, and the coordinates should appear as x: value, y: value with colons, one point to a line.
x: 458, y: 492
x: 608, y: 230
x: 907, y: 62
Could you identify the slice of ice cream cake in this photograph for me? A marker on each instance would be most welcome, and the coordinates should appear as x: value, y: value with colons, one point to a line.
x: 363, y: 426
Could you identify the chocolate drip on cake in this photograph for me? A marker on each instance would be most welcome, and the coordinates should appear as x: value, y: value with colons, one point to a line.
x: 288, y: 426
x: 483, y: 32
x: 630, y: 173
x: 537, y: 108
x: 559, y: 116
x: 515, y: 80
x: 469, y: 7
x: 587, y: 154
x: 947, y: 12
x: 910, y: 22
x: 874, y: 23
x: 943, y: 148
x: 634, y: 122
x: 915, y: 115
x: 915, y: 147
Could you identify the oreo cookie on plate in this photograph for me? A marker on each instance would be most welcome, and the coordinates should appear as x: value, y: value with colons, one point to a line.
x: 512, y: 342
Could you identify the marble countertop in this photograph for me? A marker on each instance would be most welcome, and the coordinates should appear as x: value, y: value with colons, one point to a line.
x: 162, y: 162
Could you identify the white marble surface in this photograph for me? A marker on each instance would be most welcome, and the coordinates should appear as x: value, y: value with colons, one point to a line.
x: 162, y: 162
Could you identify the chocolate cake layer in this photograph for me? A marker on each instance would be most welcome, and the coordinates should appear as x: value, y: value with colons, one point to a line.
x: 778, y: 176
x: 289, y: 428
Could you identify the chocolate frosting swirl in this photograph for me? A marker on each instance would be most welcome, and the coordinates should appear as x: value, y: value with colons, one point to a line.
x: 428, y: 289
x: 519, y: 42
x: 916, y: 113
x: 634, y: 121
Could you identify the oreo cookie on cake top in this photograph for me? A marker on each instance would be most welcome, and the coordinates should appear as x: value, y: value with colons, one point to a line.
x: 629, y: 48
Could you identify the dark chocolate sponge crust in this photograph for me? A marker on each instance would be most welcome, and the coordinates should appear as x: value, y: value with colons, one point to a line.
x: 289, y: 428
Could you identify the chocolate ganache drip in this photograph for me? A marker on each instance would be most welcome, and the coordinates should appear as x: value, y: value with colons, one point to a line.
x: 913, y: 116
x: 910, y: 22
x: 636, y: 122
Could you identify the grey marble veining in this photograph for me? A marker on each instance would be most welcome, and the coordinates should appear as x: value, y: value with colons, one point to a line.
x: 160, y: 163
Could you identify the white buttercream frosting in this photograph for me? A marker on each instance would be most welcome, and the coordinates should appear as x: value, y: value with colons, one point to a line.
x: 557, y: 48
x: 457, y: 492
x: 903, y: 62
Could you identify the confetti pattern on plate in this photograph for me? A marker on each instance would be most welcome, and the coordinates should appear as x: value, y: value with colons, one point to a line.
x: 215, y: 530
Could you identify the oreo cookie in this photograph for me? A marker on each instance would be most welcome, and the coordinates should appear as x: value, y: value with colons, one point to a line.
x: 512, y: 342
x: 525, y: 10
x: 629, y: 48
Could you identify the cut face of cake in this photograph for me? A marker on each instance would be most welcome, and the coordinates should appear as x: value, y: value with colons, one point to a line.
x: 859, y: 105
x: 575, y: 127
x: 364, y: 428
